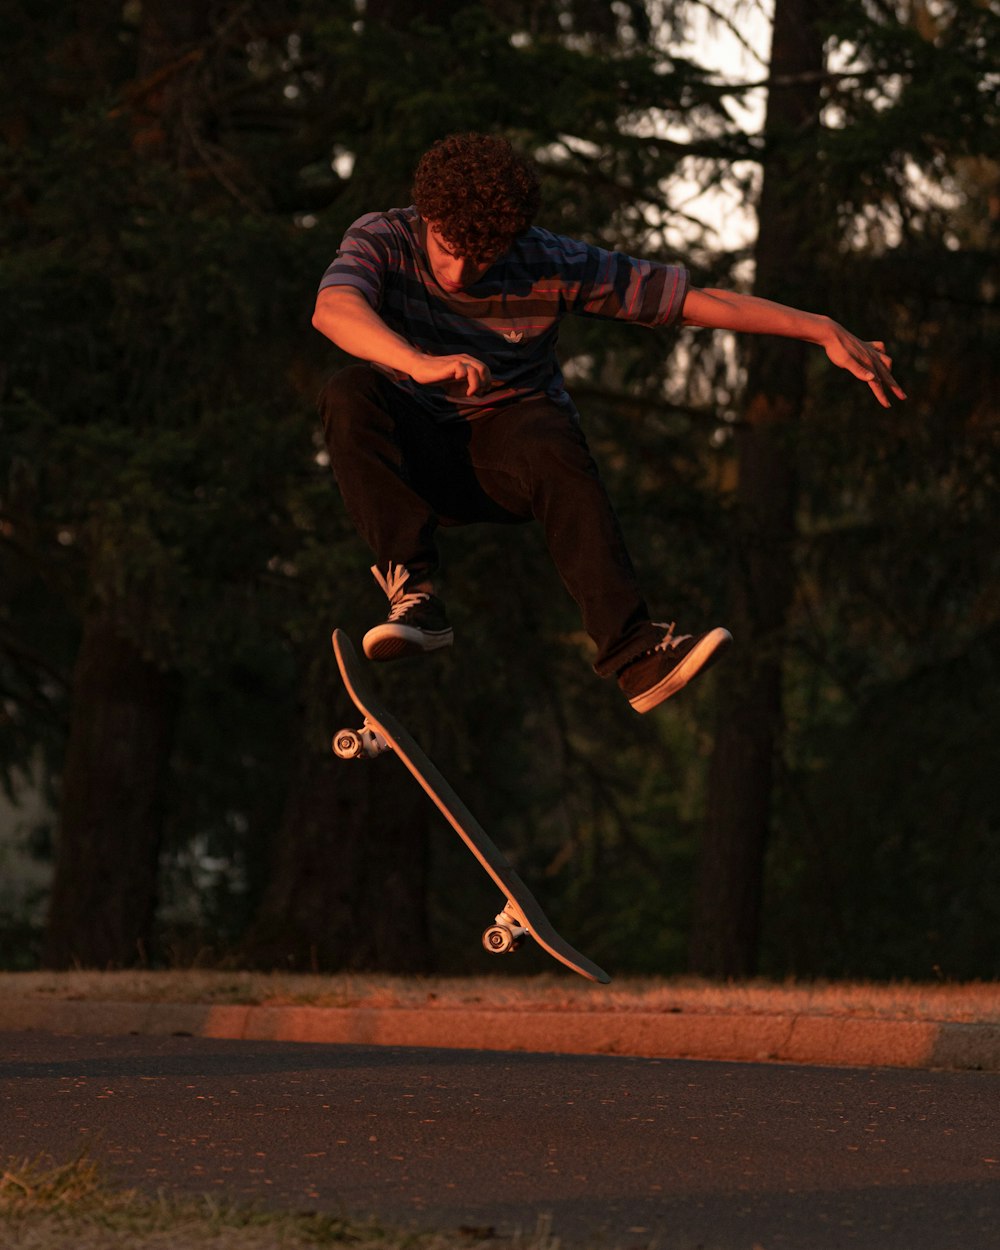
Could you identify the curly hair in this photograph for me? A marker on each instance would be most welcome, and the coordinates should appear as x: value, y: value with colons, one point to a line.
x: 478, y: 193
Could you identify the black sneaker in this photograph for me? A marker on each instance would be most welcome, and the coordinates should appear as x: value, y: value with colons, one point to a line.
x: 671, y: 664
x: 416, y: 622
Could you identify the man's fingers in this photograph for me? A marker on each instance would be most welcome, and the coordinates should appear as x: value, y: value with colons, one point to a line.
x: 879, y: 393
x: 868, y: 361
x: 478, y: 376
x: 469, y: 373
x: 879, y: 375
x: 885, y: 381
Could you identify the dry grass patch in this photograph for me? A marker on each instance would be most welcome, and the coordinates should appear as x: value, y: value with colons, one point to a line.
x: 977, y: 1002
x: 50, y: 1206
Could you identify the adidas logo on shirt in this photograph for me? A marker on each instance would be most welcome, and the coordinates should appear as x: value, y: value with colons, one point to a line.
x: 513, y: 336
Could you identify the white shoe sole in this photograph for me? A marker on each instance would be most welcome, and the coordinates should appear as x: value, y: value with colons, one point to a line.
x: 704, y: 653
x: 393, y: 642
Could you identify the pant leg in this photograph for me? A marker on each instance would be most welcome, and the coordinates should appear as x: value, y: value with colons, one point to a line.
x: 400, y: 473
x: 533, y: 458
x: 365, y: 439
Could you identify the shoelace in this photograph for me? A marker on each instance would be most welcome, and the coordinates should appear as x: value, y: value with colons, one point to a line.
x: 392, y: 583
x: 668, y: 641
x: 394, y: 580
x: 403, y: 604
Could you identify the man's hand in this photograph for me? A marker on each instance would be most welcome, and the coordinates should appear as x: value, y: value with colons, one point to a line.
x: 460, y: 374
x: 867, y: 361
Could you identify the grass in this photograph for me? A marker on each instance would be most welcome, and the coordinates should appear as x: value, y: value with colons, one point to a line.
x: 49, y: 1206
x: 974, y: 1002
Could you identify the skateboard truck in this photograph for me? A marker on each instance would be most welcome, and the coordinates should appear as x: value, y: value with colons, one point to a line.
x: 506, y: 934
x: 356, y: 744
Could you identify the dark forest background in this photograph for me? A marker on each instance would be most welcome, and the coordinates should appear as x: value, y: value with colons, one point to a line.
x: 176, y: 175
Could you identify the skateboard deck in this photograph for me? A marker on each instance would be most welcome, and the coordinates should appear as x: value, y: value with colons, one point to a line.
x: 522, y: 914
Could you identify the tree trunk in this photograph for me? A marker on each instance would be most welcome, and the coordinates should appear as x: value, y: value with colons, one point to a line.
x: 123, y: 707
x: 748, y: 734
x: 349, y: 874
x: 110, y: 828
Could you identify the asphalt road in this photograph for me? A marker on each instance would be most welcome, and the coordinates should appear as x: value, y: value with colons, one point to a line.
x: 617, y: 1151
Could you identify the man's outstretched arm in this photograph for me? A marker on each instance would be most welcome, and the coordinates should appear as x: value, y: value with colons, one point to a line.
x: 727, y: 310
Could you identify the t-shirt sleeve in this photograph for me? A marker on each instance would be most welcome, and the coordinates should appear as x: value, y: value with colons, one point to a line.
x: 362, y: 260
x: 614, y: 286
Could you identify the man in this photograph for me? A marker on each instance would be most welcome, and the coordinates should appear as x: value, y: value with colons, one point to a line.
x: 460, y: 414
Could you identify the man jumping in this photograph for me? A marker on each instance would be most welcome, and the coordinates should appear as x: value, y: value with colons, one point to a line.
x: 460, y: 414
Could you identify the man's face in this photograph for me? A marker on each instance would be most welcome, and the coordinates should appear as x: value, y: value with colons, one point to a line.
x: 453, y: 273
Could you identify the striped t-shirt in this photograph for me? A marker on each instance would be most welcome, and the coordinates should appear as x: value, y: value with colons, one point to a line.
x: 509, y: 318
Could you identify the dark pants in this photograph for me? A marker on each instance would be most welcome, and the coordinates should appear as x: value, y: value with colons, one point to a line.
x: 401, y: 475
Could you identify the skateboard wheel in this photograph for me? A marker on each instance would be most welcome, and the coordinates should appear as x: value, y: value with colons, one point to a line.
x: 499, y: 940
x: 347, y: 744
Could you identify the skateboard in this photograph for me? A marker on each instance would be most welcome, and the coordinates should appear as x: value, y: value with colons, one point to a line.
x: 521, y: 915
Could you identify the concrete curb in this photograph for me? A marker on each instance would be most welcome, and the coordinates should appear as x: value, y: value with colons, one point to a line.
x: 847, y: 1041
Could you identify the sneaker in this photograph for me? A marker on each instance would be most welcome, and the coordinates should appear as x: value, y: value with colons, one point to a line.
x: 416, y: 622
x: 670, y: 665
